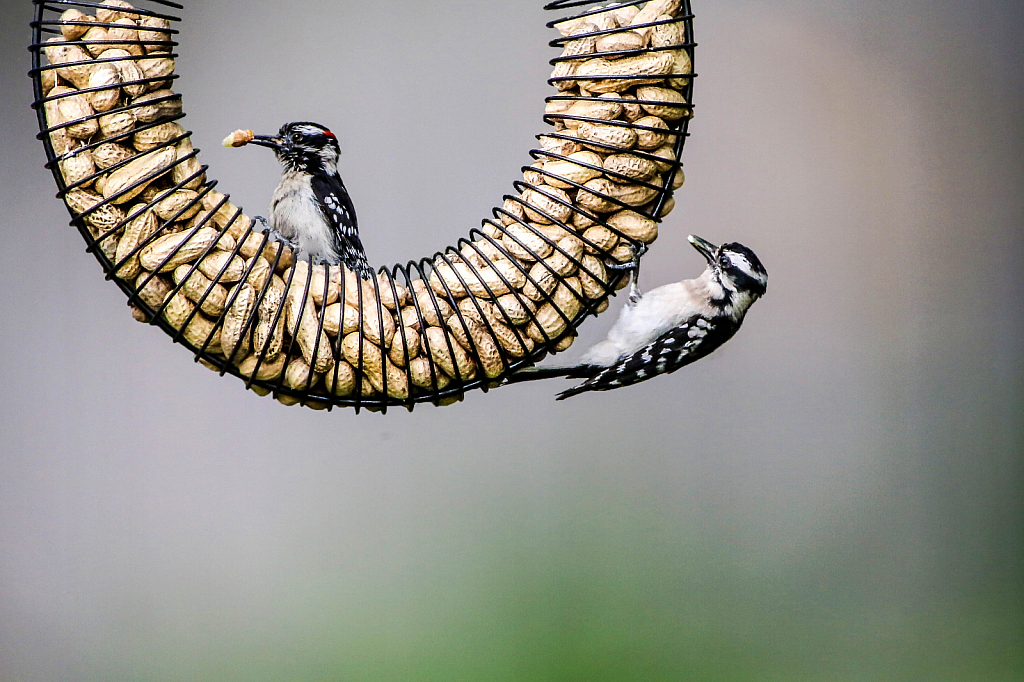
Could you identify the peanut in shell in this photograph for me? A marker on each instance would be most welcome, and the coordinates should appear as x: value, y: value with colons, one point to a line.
x: 601, y: 239
x: 603, y: 75
x: 269, y: 369
x: 268, y: 333
x: 177, y: 249
x: 153, y: 290
x: 112, y: 10
x: 425, y: 373
x: 303, y: 324
x: 477, y: 341
x: 157, y: 68
x: 593, y: 277
x: 149, y: 110
x: 106, y: 78
x: 183, y: 204
x: 222, y: 267
x: 110, y: 154
x: 299, y: 376
x: 154, y: 30
x: 128, y: 181
x: 96, y: 40
x: 621, y: 41
x: 682, y: 65
x: 578, y: 168
x: 141, y: 227
x: 651, y: 12
x: 634, y: 225
x: 525, y: 243
x: 606, y: 139
x: 341, y: 380
x: 200, y: 330
x: 542, y: 281
x: 573, y: 48
x: 150, y: 138
x: 114, y: 126
x: 405, y: 346
x: 210, y: 297
x: 547, y: 204
x: 102, y: 219
x: 187, y: 170
x: 68, y: 29
x: 626, y: 168
x: 73, y: 63
x: 78, y: 168
x: 75, y: 113
x: 447, y: 353
x: 652, y: 139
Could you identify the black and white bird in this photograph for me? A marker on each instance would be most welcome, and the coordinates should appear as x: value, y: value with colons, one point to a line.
x: 669, y: 327
x: 311, y: 210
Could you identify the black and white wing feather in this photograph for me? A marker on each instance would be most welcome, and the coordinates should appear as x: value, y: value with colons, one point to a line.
x: 676, y: 348
x: 341, y: 214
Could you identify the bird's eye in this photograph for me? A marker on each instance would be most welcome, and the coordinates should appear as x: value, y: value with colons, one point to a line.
x: 296, y: 137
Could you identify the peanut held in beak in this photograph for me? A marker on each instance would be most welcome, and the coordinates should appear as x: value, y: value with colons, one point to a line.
x: 239, y: 138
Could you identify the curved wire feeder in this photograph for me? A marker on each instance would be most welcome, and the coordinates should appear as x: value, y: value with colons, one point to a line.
x: 412, y: 296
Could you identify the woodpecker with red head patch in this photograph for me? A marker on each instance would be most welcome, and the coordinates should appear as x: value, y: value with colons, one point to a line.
x: 311, y: 209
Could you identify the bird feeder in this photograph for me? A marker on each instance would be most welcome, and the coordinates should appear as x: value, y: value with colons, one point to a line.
x: 513, y: 291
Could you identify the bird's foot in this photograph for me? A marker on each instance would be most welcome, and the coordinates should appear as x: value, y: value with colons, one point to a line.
x: 634, y: 262
x: 634, y: 272
x: 276, y: 236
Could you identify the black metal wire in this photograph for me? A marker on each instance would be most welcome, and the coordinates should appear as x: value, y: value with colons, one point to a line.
x: 417, y: 279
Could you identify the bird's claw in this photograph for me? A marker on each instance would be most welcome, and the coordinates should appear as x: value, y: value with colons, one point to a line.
x: 634, y: 272
x: 634, y: 262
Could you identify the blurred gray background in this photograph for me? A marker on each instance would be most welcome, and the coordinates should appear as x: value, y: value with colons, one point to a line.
x: 836, y: 496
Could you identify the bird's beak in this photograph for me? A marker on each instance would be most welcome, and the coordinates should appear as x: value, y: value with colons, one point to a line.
x: 268, y: 141
x: 706, y: 248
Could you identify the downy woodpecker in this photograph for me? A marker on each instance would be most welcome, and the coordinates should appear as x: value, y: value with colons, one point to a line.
x: 311, y: 209
x: 669, y: 327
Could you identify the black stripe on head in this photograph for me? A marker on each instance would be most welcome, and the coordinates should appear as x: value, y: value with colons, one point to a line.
x: 745, y: 282
x: 307, y: 134
x: 305, y: 127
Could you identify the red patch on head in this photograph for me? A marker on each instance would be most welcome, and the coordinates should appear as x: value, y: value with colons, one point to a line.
x: 328, y: 133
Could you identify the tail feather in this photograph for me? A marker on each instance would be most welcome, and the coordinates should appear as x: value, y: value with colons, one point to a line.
x: 535, y: 373
x: 575, y: 390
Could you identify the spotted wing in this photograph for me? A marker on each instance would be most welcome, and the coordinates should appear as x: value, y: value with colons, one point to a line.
x: 337, y: 205
x: 676, y: 348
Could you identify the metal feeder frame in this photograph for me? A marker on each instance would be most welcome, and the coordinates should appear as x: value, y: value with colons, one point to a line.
x: 46, y: 23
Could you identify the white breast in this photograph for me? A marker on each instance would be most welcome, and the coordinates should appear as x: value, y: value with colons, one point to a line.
x: 295, y: 215
x: 654, y: 314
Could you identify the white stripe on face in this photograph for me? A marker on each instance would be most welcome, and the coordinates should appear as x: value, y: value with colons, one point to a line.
x: 740, y: 262
x: 329, y: 157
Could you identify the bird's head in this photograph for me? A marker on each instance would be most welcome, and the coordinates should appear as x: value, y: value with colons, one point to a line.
x: 736, y: 269
x: 305, y: 147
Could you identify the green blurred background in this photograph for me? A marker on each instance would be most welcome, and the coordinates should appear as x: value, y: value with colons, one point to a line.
x: 835, y: 497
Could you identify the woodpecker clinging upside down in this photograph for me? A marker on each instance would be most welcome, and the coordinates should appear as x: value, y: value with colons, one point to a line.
x: 669, y: 327
x: 311, y: 209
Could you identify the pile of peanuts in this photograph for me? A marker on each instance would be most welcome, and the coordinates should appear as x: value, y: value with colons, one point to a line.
x: 317, y: 334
